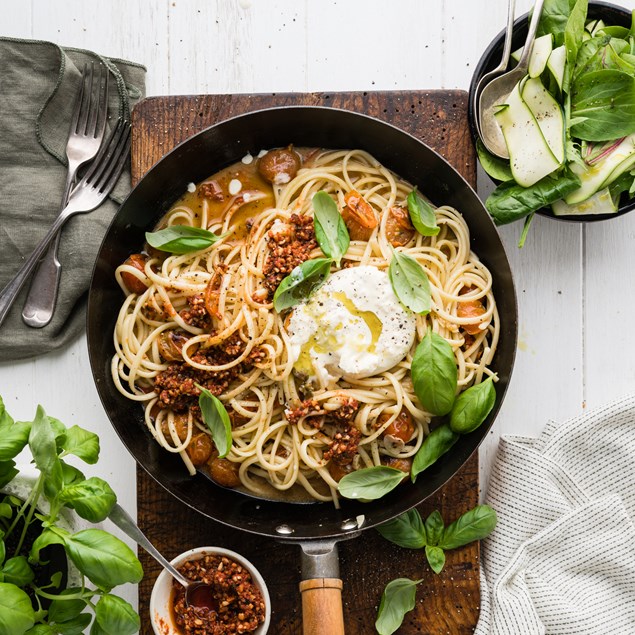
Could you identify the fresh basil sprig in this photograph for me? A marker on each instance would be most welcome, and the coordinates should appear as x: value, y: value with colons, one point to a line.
x: 217, y: 420
x: 434, y: 374
x: 435, y: 445
x: 301, y: 283
x: 397, y: 599
x: 370, y: 483
x: 472, y: 407
x: 422, y: 214
x: 181, y: 239
x: 409, y: 530
x: 330, y: 229
x: 409, y: 282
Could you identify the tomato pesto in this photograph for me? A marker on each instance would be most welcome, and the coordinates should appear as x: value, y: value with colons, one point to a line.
x: 235, y: 605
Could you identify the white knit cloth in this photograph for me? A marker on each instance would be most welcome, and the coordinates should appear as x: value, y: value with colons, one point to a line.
x: 561, y: 560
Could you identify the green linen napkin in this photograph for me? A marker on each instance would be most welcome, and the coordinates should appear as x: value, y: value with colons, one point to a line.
x: 39, y: 82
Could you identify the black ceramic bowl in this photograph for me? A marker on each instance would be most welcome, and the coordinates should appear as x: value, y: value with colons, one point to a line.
x: 612, y: 15
x: 203, y: 155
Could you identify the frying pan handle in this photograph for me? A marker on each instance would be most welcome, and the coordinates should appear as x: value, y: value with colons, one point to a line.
x: 322, y: 606
x: 321, y: 589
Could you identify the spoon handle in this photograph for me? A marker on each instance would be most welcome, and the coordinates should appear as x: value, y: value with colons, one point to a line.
x: 507, y: 46
x: 120, y: 517
x: 523, y: 62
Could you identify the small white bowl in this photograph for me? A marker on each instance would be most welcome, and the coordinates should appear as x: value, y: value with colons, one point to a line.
x: 160, y: 612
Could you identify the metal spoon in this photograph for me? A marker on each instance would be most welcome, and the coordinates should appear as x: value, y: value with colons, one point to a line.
x: 196, y: 593
x: 498, y: 89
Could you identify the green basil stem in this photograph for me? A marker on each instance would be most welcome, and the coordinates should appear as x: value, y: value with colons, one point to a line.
x: 27, y: 502
x: 29, y: 517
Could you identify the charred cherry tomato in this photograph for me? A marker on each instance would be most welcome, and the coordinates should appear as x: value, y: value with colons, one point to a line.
x: 359, y: 216
x: 398, y: 464
x: 199, y: 449
x: 224, y: 472
x: 171, y: 345
x: 133, y: 284
x: 401, y: 428
x: 338, y: 471
x: 470, y: 309
x: 399, y: 229
x: 180, y: 424
x: 279, y: 166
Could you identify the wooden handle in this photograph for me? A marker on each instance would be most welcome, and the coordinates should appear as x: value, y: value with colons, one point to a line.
x: 322, y: 606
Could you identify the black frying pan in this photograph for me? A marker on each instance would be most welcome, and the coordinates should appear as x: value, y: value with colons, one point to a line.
x: 196, y: 159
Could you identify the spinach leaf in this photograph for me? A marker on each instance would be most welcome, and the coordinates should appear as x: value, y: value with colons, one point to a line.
x: 509, y: 201
x: 472, y: 406
x: 435, y: 445
x: 104, y: 559
x: 409, y: 282
x: 436, y: 558
x: 16, y: 612
x: 83, y: 444
x: 407, y: 530
x: 397, y: 599
x: 370, y: 483
x: 553, y: 19
x: 603, y: 105
x: 330, y: 229
x: 434, y: 527
x: 17, y: 571
x: 217, y: 420
x: 496, y: 167
x: 573, y: 35
x: 13, y: 439
x: 92, y: 499
x: 434, y: 374
x: 181, y: 239
x: 301, y: 283
x: 422, y: 214
x: 116, y: 616
x: 475, y: 524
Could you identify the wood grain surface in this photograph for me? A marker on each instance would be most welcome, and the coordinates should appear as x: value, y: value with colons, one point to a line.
x: 447, y: 603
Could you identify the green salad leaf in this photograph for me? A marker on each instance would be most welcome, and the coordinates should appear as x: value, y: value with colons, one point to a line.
x: 181, y: 239
x: 553, y: 19
x: 16, y: 612
x: 573, y: 36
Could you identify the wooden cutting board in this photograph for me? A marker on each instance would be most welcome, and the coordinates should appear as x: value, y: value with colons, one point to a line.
x: 448, y: 603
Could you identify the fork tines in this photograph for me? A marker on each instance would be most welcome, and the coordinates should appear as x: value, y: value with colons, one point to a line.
x: 91, y: 106
x: 109, y: 162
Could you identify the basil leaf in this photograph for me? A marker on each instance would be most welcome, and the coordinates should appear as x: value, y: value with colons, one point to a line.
x: 96, y: 629
x: 407, y: 530
x: 104, y: 559
x: 496, y: 167
x: 301, y: 283
x: 44, y: 450
x: 41, y: 629
x: 46, y: 538
x: 181, y: 239
x: 434, y: 374
x: 435, y: 445
x: 397, y: 599
x: 17, y: 571
x: 422, y: 214
x: 436, y: 558
x: 472, y: 407
x: 573, y: 34
x: 70, y: 474
x: 83, y: 444
x: 75, y: 626
x: 16, y: 612
x: 509, y: 201
x: 409, y: 282
x: 553, y: 19
x: 116, y: 616
x: 92, y: 499
x: 65, y: 610
x: 6, y: 421
x: 330, y: 228
x: 370, y: 483
x: 434, y: 527
x: 217, y: 420
x: 473, y: 525
x: 7, y: 472
x: 603, y: 105
x: 13, y: 439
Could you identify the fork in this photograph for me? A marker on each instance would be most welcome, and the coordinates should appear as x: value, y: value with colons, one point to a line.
x: 89, y: 193
x: 87, y: 132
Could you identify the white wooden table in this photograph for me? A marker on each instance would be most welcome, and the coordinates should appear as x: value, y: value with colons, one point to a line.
x: 574, y: 282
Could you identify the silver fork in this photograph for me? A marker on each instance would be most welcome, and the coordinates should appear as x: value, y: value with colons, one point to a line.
x: 89, y: 193
x: 87, y: 132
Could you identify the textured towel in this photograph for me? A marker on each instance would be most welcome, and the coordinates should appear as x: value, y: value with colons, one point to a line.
x: 39, y: 82
x: 562, y: 559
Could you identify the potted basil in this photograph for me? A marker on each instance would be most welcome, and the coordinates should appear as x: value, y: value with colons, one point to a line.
x: 54, y: 579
